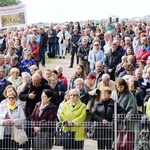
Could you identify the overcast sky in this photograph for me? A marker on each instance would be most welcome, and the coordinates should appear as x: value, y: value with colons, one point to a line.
x: 73, y: 10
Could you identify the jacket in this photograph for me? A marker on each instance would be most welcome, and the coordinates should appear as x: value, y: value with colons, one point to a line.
x: 18, y: 116
x: 126, y: 101
x: 142, y: 55
x: 74, y: 40
x: 112, y: 60
x: 48, y: 117
x: 52, y: 32
x: 25, y: 62
x: 60, y: 36
x: 98, y: 58
x: 77, y: 115
x: 3, y: 84
x: 99, y: 111
x: 83, y: 51
x: 30, y: 103
x: 35, y: 49
x: 44, y: 38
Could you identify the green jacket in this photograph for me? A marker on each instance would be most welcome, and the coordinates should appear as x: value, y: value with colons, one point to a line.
x: 77, y: 115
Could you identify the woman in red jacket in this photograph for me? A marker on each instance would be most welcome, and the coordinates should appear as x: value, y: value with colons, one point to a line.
x: 142, y: 54
x: 35, y: 49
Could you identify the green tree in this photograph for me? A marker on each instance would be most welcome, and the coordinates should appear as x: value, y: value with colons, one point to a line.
x: 4, y: 3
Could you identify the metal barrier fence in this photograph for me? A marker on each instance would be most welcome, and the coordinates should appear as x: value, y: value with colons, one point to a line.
x: 133, y: 133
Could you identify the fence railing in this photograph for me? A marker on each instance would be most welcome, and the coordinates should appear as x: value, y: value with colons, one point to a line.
x: 132, y: 133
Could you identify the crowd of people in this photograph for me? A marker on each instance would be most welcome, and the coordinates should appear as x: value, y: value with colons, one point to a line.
x: 112, y: 65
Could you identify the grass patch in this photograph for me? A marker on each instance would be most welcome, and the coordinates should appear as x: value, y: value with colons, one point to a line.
x: 49, y: 60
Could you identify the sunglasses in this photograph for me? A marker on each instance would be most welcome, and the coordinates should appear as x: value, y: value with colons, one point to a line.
x: 96, y: 44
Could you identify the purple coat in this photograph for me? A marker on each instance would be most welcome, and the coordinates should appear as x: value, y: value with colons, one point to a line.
x: 47, y: 119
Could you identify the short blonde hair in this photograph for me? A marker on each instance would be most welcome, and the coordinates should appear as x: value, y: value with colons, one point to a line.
x: 14, y: 70
x: 34, y: 67
x: 8, y: 87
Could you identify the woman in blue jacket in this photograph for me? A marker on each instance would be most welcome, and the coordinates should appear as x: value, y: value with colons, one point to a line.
x: 95, y: 55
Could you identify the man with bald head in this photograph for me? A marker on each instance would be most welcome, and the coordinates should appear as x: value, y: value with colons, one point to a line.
x: 32, y: 93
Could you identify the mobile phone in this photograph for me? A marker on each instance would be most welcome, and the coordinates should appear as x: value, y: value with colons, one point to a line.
x: 136, y: 84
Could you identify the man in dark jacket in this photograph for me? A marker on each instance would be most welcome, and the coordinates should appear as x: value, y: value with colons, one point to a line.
x: 51, y: 39
x: 112, y: 59
x: 32, y: 93
x: 44, y: 38
x: 74, y: 47
x: 3, y: 83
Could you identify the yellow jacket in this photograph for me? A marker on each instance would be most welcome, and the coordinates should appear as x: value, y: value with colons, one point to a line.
x: 77, y: 115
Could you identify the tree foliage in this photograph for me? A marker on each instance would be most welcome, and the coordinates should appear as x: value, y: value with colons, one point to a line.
x: 4, y: 3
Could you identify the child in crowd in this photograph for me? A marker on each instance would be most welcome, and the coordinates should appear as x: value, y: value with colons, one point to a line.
x: 27, y: 62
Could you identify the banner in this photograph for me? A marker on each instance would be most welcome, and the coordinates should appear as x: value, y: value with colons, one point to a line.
x: 13, y: 16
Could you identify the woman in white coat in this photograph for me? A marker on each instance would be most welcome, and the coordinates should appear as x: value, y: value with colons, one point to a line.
x: 63, y: 36
x: 11, y: 113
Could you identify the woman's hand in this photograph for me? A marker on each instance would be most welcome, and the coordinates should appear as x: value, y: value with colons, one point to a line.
x: 8, y: 121
x: 36, y: 129
x: 70, y: 123
x: 104, y: 121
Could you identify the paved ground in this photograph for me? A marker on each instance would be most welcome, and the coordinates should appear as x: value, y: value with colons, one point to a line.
x: 68, y: 72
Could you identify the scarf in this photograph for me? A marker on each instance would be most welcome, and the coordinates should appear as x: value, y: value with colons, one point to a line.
x: 11, y: 107
x: 41, y: 108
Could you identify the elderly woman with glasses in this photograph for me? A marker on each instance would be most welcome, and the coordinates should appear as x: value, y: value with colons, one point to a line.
x: 11, y: 113
x: 73, y: 115
x: 103, y: 116
x: 95, y: 55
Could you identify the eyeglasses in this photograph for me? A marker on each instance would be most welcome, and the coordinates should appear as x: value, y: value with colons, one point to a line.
x: 73, y: 95
x: 11, y: 97
x: 96, y: 44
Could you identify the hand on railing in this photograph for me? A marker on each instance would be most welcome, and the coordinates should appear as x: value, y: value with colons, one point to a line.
x: 104, y: 121
x: 69, y: 123
x: 37, y: 129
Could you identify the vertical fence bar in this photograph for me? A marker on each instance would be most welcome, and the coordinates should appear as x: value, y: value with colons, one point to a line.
x: 115, y: 124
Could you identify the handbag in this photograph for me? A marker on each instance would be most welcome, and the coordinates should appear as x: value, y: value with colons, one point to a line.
x: 43, y: 140
x: 68, y: 139
x: 20, y: 135
x: 125, y: 140
x: 65, y: 42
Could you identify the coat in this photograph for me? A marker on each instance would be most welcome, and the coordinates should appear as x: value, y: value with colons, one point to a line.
x: 35, y: 49
x: 102, y: 130
x: 48, y: 117
x: 3, y: 84
x: 18, y: 116
x: 30, y: 103
x: 99, y: 111
x: 128, y: 102
x: 60, y: 36
x: 92, y: 59
x: 77, y: 115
